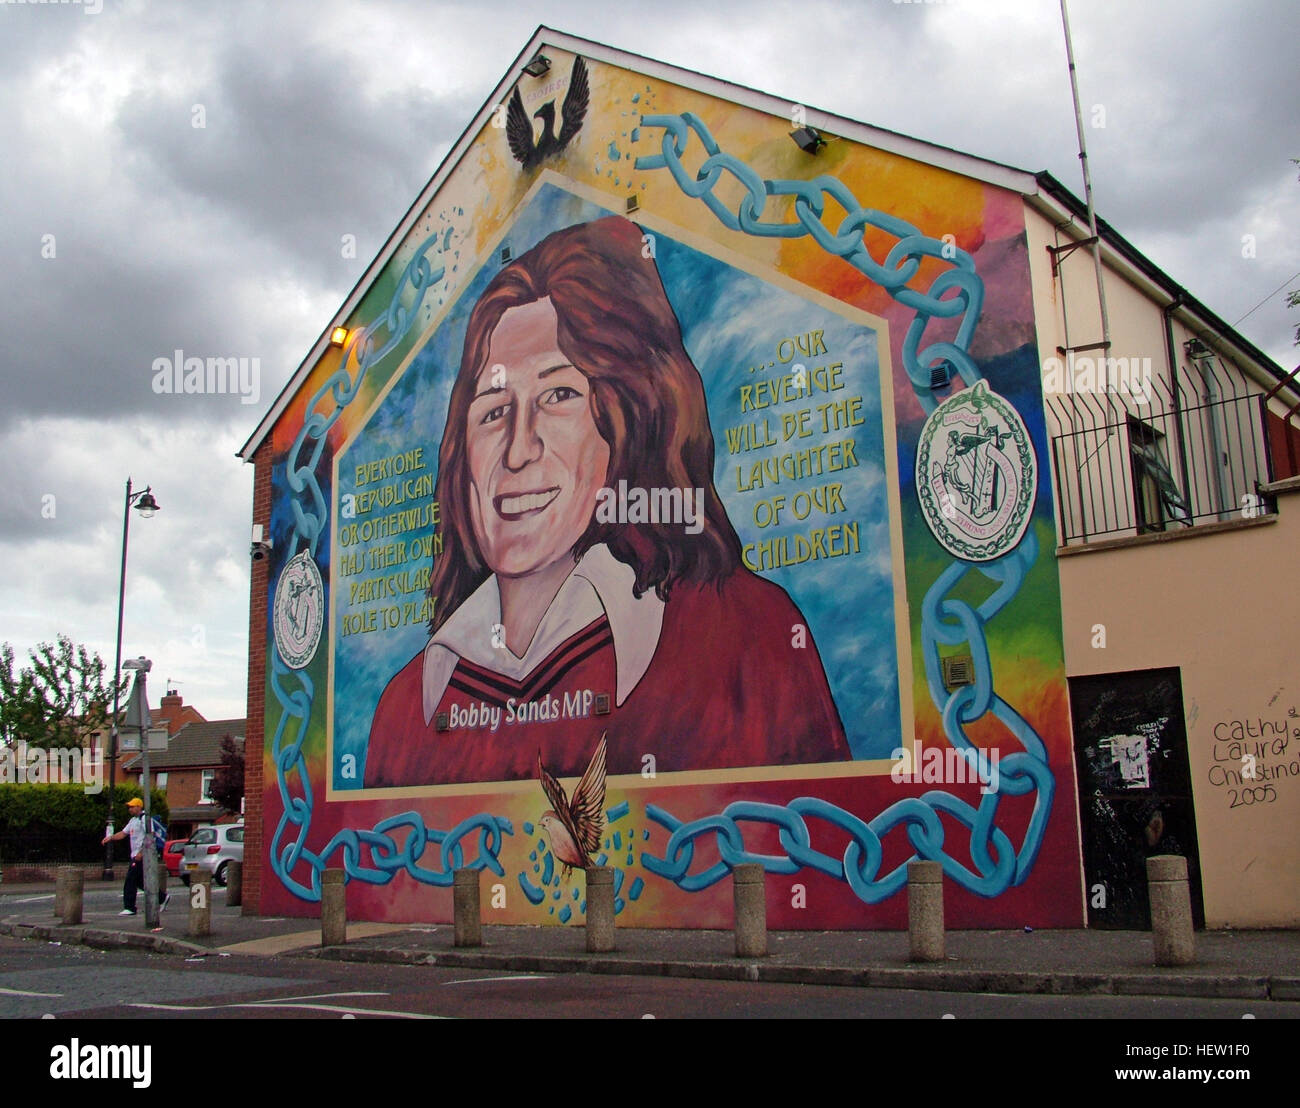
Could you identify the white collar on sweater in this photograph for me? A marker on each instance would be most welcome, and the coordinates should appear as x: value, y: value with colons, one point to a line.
x: 599, y: 584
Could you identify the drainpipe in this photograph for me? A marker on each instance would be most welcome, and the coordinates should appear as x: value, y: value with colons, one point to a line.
x: 1171, y: 356
x: 1215, y: 414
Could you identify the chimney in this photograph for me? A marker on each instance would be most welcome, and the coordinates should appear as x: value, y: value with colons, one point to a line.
x: 171, y: 711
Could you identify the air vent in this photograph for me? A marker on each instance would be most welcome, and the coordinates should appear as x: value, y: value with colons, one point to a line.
x: 505, y: 254
x: 958, y: 670
x: 940, y: 375
x: 633, y: 204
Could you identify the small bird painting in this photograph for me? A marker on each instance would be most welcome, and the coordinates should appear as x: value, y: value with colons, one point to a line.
x: 519, y: 128
x: 575, y: 826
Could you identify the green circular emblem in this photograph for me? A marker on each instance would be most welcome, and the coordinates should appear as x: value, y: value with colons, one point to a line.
x: 299, y: 611
x: 976, y: 474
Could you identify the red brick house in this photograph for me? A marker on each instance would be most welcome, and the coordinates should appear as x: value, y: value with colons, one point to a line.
x: 186, y: 769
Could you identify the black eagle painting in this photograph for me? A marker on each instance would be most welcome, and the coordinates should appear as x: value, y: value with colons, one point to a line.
x: 519, y: 128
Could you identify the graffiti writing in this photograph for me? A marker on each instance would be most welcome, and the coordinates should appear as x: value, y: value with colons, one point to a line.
x: 1251, y: 757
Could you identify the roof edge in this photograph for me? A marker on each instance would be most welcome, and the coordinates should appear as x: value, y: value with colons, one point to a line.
x: 943, y: 157
x: 1177, y: 294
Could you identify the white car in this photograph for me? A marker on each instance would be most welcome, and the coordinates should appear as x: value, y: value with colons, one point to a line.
x: 213, y: 849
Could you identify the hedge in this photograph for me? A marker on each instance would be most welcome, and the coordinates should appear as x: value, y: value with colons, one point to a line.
x: 62, y: 823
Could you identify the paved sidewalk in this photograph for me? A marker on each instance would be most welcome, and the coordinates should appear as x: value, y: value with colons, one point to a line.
x: 1238, y: 964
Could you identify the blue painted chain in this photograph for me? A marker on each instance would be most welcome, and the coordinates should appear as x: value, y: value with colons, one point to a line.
x: 399, y: 842
x: 945, y: 619
x: 899, y: 266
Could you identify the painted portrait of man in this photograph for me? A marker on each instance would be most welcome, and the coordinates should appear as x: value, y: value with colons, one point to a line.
x: 563, y: 613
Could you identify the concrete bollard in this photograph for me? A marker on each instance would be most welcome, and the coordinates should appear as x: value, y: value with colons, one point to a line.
x: 925, y: 912
x: 333, y: 908
x: 200, y: 904
x: 234, y: 884
x: 1171, y: 910
x: 600, y: 909
x: 749, y: 892
x: 60, y: 887
x: 466, y: 911
x: 73, y: 880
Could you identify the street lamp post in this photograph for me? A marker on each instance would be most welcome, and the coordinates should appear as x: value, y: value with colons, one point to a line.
x: 137, y: 719
x: 146, y: 507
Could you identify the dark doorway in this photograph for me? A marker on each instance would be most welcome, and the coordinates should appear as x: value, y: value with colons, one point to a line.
x: 1135, y: 790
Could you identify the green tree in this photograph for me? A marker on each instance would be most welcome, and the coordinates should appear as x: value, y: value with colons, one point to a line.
x: 56, y: 700
x: 227, y: 787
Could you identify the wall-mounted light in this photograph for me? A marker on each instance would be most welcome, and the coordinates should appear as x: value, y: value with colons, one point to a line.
x: 338, y: 336
x: 539, y: 66
x: 808, y: 140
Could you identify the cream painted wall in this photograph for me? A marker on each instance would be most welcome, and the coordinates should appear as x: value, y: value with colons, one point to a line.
x: 1221, y: 607
x: 1224, y: 609
x: 1094, y: 465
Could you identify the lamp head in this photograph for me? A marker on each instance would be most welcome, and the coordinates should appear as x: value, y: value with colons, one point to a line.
x: 539, y: 66
x: 146, y: 505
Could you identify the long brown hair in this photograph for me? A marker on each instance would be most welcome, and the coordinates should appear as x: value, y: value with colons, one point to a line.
x: 616, y: 326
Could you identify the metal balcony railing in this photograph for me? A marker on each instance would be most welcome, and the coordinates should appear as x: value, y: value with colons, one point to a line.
x: 1135, y: 453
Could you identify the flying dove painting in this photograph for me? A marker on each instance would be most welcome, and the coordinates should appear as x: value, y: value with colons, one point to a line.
x: 574, y: 826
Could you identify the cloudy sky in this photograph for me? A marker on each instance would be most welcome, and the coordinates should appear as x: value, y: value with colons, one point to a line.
x: 129, y: 231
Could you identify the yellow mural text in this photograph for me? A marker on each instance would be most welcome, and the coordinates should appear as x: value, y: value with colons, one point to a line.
x: 393, y: 466
x: 390, y: 561
x: 796, y: 465
x: 773, y: 464
x: 796, y: 385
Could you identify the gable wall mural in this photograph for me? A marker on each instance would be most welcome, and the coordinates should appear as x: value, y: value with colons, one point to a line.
x: 641, y: 538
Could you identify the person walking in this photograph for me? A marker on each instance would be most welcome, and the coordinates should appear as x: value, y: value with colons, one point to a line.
x: 135, y: 831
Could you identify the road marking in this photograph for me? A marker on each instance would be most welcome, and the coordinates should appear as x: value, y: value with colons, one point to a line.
x: 279, y: 1004
x: 32, y: 899
x: 303, y: 940
x: 321, y: 996
x: 24, y: 992
x: 512, y: 977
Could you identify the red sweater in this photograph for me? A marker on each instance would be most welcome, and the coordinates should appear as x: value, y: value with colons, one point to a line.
x: 726, y: 687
